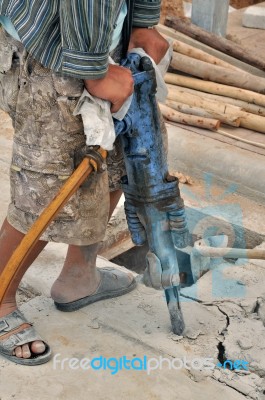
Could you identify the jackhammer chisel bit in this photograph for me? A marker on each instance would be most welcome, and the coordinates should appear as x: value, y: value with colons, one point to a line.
x: 154, y: 209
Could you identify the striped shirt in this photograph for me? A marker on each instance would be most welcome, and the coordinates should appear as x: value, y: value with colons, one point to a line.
x: 73, y: 37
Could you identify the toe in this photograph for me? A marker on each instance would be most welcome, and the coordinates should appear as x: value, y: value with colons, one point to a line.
x: 38, y: 347
x: 18, y: 352
x: 26, y: 351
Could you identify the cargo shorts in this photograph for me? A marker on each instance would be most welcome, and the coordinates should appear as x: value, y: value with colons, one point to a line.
x: 48, y: 141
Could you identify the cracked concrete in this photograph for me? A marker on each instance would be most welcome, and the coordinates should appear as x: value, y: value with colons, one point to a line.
x: 237, y: 290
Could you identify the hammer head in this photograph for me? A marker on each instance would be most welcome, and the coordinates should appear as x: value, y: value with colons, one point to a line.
x: 201, y: 264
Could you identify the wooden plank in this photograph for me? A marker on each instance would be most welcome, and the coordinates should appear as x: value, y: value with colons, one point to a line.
x: 116, y: 248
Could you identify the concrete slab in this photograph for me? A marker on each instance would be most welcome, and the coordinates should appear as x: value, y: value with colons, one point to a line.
x: 254, y: 17
x: 194, y: 154
x: 74, y: 336
x: 244, y: 340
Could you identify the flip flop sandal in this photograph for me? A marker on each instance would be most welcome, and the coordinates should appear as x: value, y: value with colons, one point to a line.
x: 113, y: 283
x: 11, y: 322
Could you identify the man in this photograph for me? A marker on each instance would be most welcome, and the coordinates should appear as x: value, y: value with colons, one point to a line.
x: 48, y: 53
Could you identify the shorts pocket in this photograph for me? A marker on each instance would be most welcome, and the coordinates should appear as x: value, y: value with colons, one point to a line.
x: 47, y: 161
x: 32, y: 192
x: 68, y: 91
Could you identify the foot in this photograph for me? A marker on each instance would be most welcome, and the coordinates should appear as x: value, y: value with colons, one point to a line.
x: 101, y: 284
x: 26, y: 350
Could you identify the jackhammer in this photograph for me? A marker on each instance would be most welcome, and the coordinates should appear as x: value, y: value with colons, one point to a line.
x: 153, y: 206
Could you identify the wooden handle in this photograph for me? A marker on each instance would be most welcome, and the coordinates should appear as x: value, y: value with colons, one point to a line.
x: 213, y: 252
x: 39, y: 226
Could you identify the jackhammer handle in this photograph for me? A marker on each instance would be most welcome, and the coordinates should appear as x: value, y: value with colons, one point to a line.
x: 86, y: 167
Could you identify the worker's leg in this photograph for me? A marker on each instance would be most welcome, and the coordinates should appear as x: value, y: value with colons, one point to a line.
x: 9, y: 240
x: 79, y: 277
x: 79, y: 268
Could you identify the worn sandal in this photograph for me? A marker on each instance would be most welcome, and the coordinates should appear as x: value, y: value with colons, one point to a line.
x: 11, y: 322
x: 113, y: 283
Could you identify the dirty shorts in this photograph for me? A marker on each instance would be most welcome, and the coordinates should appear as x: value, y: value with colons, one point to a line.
x: 48, y: 144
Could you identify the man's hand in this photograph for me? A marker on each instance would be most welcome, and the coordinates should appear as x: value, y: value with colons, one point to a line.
x: 115, y: 87
x: 151, y: 41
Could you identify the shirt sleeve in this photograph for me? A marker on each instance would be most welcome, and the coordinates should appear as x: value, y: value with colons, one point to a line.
x: 146, y: 13
x: 86, y: 30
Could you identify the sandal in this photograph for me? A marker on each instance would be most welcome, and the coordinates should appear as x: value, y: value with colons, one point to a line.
x: 11, y: 322
x: 113, y: 283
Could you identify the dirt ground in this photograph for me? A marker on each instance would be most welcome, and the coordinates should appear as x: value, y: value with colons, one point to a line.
x: 171, y: 7
x: 243, y: 3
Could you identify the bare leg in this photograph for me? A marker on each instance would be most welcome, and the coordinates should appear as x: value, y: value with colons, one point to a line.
x: 9, y: 240
x: 79, y: 277
x: 79, y: 269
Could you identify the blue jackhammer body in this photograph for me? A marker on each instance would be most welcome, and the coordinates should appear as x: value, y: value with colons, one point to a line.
x: 153, y: 206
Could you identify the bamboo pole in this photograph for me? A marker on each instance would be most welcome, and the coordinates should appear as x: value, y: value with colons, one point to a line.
x: 217, y: 42
x: 218, y: 74
x: 173, y: 34
x: 185, y: 119
x: 198, y: 101
x: 216, y: 88
x: 243, y: 105
x: 247, y: 120
x: 232, y: 120
x: 190, y: 51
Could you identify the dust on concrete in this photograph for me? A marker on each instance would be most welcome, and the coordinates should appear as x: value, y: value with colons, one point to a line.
x: 26, y: 293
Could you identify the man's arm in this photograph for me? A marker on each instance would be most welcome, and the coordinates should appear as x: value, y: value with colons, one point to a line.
x: 146, y: 14
x: 86, y: 29
x: 117, y: 85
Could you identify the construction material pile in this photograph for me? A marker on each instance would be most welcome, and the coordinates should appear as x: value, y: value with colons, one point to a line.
x: 213, y: 81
